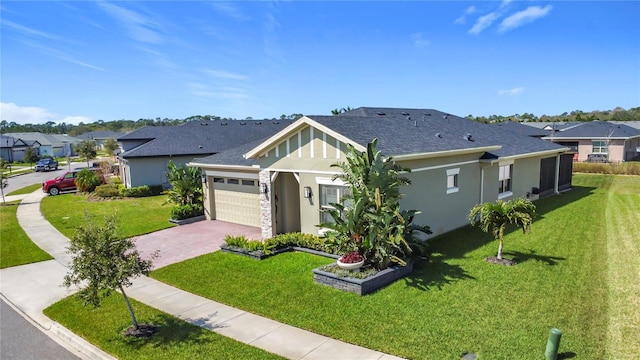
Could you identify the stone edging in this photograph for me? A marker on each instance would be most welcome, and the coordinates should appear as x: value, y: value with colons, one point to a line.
x: 188, y: 220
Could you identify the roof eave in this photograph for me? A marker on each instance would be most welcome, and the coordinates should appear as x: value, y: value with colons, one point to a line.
x: 533, y: 154
x: 434, y: 154
x: 222, y: 166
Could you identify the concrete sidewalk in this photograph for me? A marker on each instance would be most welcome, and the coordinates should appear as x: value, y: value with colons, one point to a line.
x: 33, y: 287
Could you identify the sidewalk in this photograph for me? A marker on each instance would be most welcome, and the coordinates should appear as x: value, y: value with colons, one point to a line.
x: 33, y: 287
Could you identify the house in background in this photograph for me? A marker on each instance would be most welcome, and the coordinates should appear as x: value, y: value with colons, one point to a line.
x: 12, y: 149
x: 522, y: 129
x: 100, y: 137
x: 597, y: 140
x: 146, y: 152
x: 281, y: 183
x: 54, y: 145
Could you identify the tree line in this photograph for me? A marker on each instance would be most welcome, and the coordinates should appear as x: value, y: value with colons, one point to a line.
x: 50, y: 127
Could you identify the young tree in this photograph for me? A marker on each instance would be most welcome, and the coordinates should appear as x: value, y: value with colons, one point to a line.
x: 104, y: 262
x: 87, y: 150
x: 496, y: 216
x: 30, y: 156
x: 186, y: 185
x: 4, y: 182
x: 110, y: 146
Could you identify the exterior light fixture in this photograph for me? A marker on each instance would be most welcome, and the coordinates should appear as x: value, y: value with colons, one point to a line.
x: 264, y: 188
x: 307, y: 192
x: 204, y: 178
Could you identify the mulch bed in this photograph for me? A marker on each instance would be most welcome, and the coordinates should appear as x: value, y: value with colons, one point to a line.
x: 143, y: 331
x: 505, y: 262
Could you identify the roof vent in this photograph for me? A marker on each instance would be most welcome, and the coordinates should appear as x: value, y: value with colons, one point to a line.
x: 224, y: 123
x: 381, y: 113
x: 445, y: 116
x: 204, y: 124
x: 275, y: 122
x: 439, y: 135
x: 405, y: 113
x: 258, y: 123
x: 199, y: 146
x: 428, y: 114
x: 468, y: 137
x: 243, y: 123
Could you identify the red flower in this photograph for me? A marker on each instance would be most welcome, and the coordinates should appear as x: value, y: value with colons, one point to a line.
x: 351, y: 257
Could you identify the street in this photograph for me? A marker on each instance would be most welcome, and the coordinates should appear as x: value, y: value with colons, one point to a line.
x: 19, y: 339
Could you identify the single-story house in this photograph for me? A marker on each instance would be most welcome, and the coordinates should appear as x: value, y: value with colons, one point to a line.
x: 100, y: 137
x: 522, y: 129
x: 146, y: 152
x: 281, y: 183
x: 54, y: 145
x: 615, y: 142
x: 12, y: 149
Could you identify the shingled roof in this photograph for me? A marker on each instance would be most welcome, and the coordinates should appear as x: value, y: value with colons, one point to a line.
x: 522, y: 129
x: 199, y: 137
x: 93, y: 135
x: 597, y: 130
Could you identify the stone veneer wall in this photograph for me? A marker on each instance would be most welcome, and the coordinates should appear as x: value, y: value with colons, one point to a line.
x: 266, y: 221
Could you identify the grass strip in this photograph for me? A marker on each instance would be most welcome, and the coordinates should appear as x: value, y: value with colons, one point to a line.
x: 25, y: 190
x: 137, y: 216
x: 15, y: 246
x: 175, y: 339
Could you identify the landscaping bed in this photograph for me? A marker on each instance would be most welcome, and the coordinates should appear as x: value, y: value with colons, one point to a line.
x: 363, y: 286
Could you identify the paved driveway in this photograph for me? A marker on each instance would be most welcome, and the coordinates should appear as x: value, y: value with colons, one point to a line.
x: 188, y: 241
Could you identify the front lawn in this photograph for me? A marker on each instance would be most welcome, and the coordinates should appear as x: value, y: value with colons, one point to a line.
x: 136, y: 216
x: 577, y: 272
x: 175, y: 339
x: 26, y: 190
x: 15, y: 246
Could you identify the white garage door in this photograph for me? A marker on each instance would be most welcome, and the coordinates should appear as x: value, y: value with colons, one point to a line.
x: 237, y: 203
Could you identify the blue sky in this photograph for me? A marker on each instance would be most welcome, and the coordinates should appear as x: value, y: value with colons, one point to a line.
x: 82, y: 61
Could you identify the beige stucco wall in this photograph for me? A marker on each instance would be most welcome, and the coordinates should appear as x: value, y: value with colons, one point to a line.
x: 616, y: 149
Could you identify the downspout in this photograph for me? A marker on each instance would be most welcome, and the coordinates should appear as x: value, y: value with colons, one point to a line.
x: 557, y: 179
x: 481, y: 184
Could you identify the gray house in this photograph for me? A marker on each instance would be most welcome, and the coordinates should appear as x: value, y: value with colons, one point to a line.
x: 281, y: 183
x: 100, y: 137
x: 148, y: 150
x: 12, y: 149
x: 54, y: 145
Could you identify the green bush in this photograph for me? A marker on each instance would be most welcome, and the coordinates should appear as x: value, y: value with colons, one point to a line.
x: 107, y: 190
x: 280, y: 241
x: 141, y: 191
x: 627, y: 168
x: 181, y: 212
x: 87, y: 180
x: 115, y: 180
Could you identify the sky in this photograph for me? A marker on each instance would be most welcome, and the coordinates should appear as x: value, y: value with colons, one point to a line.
x: 84, y: 61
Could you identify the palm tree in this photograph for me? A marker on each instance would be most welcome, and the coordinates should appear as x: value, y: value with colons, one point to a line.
x: 496, y: 216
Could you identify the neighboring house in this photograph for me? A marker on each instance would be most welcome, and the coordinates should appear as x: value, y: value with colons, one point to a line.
x: 146, y: 152
x: 615, y: 142
x: 522, y: 129
x: 54, y: 145
x: 100, y: 137
x: 281, y: 183
x: 12, y: 149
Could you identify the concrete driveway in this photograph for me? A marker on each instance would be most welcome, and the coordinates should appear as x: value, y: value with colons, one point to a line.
x: 188, y: 241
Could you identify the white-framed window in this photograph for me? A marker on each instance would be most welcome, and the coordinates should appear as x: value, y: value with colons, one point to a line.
x: 504, y: 180
x: 452, y: 180
x: 331, y: 194
x: 599, y: 147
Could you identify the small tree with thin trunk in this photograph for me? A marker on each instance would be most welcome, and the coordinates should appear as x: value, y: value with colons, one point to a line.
x: 496, y: 216
x: 4, y: 182
x: 105, y: 262
x: 87, y: 150
x: 30, y: 156
x: 110, y: 146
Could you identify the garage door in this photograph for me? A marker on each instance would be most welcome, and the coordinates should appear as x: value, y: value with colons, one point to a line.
x: 237, y: 203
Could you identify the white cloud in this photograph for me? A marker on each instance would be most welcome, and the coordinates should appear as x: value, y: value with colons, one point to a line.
x: 31, y: 32
x: 229, y: 10
x: 419, y: 40
x: 221, y: 74
x: 483, y: 22
x: 526, y: 16
x: 511, y: 92
x: 35, y: 115
x: 140, y: 28
x: 462, y: 19
x: 505, y: 3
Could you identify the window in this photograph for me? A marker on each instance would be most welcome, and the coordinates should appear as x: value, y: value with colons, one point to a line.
x: 218, y: 180
x: 248, y: 182
x: 330, y: 194
x: 599, y: 146
x: 233, y: 181
x: 452, y: 180
x: 504, y: 179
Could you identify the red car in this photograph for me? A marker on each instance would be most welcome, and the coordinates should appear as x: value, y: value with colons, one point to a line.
x: 64, y: 182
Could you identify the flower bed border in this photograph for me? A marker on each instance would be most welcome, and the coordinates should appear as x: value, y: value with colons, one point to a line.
x: 260, y: 255
x: 188, y: 220
x: 363, y: 286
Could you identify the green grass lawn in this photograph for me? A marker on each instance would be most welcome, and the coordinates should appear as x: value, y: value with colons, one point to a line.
x: 15, y: 246
x: 25, y: 190
x: 136, y: 216
x: 577, y: 272
x: 175, y: 339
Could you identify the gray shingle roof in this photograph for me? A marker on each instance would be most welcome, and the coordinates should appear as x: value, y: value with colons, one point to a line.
x: 91, y: 135
x: 522, y: 129
x: 598, y: 129
x: 234, y: 156
x: 199, y: 137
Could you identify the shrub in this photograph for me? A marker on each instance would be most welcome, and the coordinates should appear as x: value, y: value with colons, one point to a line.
x: 181, y: 212
x: 115, y: 180
x: 87, y: 180
x: 627, y: 168
x: 107, y: 190
x: 141, y: 191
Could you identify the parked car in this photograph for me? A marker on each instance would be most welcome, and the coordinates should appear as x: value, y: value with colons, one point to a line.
x: 600, y: 158
x: 64, y: 182
x: 46, y: 165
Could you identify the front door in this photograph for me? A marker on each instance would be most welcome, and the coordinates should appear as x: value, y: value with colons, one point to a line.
x: 286, y: 203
